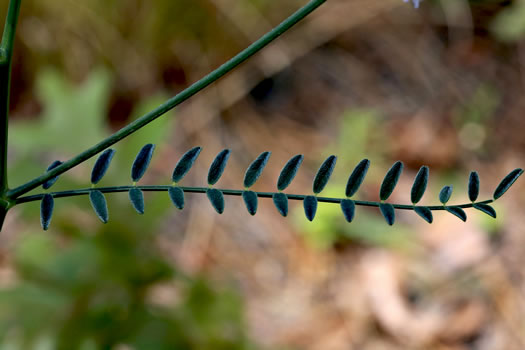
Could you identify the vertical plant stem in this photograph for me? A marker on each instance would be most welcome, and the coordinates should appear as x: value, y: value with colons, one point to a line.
x: 4, y: 110
x: 3, y: 212
x: 6, y: 54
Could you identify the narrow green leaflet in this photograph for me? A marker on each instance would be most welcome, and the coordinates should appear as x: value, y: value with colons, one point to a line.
x: 255, y: 169
x: 185, y: 163
x: 508, y: 181
x: 101, y: 165
x: 177, y: 196
x: 288, y: 172
x: 357, y: 177
x: 250, y: 200
x: 420, y: 185
x: 141, y: 163
x: 388, y: 212
x: 216, y: 199
x: 310, y: 207
x: 425, y: 213
x: 46, y: 210
x: 473, y: 186
x: 390, y: 180
x: 217, y: 167
x: 98, y: 202
x: 323, y: 174
x: 137, y: 199
x: 348, y: 208
x: 457, y: 211
x: 46, y: 185
x: 487, y: 209
x: 445, y: 193
x: 281, y: 203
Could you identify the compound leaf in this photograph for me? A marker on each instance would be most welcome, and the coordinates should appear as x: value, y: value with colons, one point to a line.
x: 390, y: 180
x: 185, y: 163
x: 289, y: 171
x: 388, y: 212
x: 420, y: 185
x: 323, y: 174
x: 216, y: 199
x: 425, y: 213
x: 310, y: 207
x: 487, y: 209
x: 140, y: 165
x: 101, y: 165
x: 473, y: 186
x: 357, y: 177
x: 217, y: 166
x: 98, y: 202
x: 177, y: 196
x: 250, y: 199
x: 348, y: 208
x: 445, y: 193
x: 137, y: 199
x: 457, y: 211
x: 508, y: 181
x: 281, y: 203
x: 255, y: 169
x: 46, y: 210
x: 46, y: 185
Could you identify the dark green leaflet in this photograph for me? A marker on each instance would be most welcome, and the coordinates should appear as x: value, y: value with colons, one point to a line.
x: 177, y: 196
x: 140, y: 165
x: 217, y: 167
x: 457, y: 211
x: 390, y: 180
x: 473, y: 186
x: 185, y: 163
x: 323, y: 174
x: 425, y: 213
x: 137, y: 199
x: 281, y: 203
x: 216, y: 199
x: 445, y: 193
x: 46, y: 210
x: 357, y: 177
x: 101, y: 165
x: 388, y: 212
x: 310, y: 207
x: 289, y: 171
x: 250, y: 199
x: 508, y: 181
x: 420, y: 185
x: 255, y: 169
x: 487, y: 209
x: 348, y: 208
x: 98, y: 202
x: 46, y: 185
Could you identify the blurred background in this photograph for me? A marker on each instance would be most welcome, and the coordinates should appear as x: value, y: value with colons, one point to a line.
x: 440, y: 86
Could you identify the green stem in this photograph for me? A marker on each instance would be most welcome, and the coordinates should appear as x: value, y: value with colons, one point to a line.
x: 6, y: 55
x: 174, y: 101
x: 3, y: 212
x: 228, y: 192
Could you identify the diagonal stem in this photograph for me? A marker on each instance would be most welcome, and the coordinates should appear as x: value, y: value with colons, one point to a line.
x: 174, y: 101
x: 228, y: 192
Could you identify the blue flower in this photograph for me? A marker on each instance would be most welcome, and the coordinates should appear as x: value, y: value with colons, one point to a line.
x: 415, y: 2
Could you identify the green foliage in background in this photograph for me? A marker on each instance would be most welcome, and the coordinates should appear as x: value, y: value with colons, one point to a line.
x: 80, y: 291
